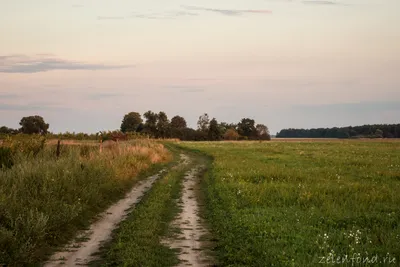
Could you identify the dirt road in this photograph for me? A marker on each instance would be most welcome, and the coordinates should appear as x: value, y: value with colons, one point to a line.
x: 189, y: 241
x: 80, y: 252
x: 192, y: 251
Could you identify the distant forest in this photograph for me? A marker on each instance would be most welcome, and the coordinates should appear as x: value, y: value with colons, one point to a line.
x: 365, y: 131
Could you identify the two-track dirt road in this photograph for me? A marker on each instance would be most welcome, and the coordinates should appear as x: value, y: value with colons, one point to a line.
x: 81, y: 251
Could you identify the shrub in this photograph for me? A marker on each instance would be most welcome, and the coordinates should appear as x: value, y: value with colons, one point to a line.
x: 27, y: 145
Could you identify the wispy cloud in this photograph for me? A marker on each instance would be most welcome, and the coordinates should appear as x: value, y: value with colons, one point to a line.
x: 100, y: 96
x: 202, y: 79
x: 163, y: 15
x: 186, y: 88
x: 110, y: 18
x: 9, y: 96
x: 193, y: 90
x: 378, y: 106
x: 229, y: 12
x: 40, y: 63
x: 321, y: 2
x: 30, y: 107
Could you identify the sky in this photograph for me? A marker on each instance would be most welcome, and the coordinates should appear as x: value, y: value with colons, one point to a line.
x: 84, y: 64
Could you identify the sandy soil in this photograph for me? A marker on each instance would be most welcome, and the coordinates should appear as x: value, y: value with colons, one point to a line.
x: 80, y: 251
x: 188, y: 241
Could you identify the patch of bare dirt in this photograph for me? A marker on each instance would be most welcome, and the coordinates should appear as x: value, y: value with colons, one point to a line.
x: 81, y: 250
x: 193, y: 251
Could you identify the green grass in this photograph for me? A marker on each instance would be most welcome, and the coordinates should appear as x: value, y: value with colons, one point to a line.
x: 292, y: 203
x: 44, y: 200
x: 137, y: 241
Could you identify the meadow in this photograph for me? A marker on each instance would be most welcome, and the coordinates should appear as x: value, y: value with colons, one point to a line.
x: 303, y: 203
x: 45, y: 199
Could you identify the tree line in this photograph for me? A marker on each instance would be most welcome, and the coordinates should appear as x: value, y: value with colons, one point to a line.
x: 158, y: 125
x: 29, y: 125
x: 364, y: 131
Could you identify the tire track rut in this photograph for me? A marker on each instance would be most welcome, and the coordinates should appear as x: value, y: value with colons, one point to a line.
x: 81, y: 250
x: 189, y: 241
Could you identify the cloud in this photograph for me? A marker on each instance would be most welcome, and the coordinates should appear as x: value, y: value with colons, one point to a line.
x: 163, y: 15
x: 352, y: 107
x: 320, y: 2
x: 202, y: 79
x: 30, y: 107
x: 9, y: 96
x: 230, y: 12
x: 100, y: 96
x: 186, y: 88
x: 193, y: 90
x: 110, y: 18
x: 40, y: 63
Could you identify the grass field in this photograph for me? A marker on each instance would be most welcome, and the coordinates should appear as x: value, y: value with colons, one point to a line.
x: 44, y: 200
x: 303, y: 203
x: 290, y: 202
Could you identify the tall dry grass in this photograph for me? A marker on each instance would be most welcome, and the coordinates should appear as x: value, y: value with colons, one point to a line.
x: 45, y: 200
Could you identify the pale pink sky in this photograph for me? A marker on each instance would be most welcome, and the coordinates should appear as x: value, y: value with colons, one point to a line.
x: 83, y: 64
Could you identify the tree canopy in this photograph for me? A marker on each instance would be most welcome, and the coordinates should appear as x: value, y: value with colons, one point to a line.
x: 263, y: 132
x: 33, y: 125
x: 366, y: 131
x: 214, y: 131
x: 6, y: 130
x: 178, y: 122
x: 163, y: 125
x: 131, y: 122
x: 203, y: 123
x: 150, y: 125
x: 247, y: 128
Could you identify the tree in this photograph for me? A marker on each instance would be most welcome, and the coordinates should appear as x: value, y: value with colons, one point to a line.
x: 163, y: 127
x: 263, y: 132
x: 150, y: 126
x: 33, y: 125
x: 231, y: 134
x: 178, y: 122
x: 6, y: 130
x: 203, y: 123
x: 246, y: 128
x: 214, y: 131
x: 131, y: 122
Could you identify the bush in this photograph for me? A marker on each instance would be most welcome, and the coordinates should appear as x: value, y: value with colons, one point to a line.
x: 231, y: 134
x: 28, y: 145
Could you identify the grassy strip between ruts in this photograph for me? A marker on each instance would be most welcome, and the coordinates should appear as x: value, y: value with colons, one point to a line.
x: 137, y: 240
